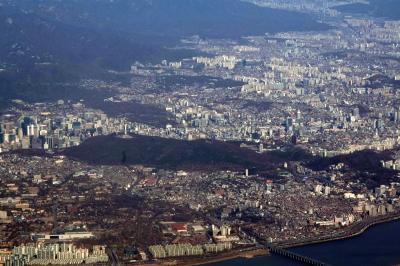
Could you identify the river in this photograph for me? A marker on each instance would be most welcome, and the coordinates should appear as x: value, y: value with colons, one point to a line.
x: 379, y: 245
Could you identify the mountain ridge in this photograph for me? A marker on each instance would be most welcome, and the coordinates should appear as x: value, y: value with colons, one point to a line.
x: 51, y: 42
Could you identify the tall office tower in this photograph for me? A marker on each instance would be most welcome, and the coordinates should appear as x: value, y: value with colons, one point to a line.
x: 30, y: 130
x: 36, y: 131
x: 356, y: 112
x: 288, y: 124
x: 50, y: 141
x: 20, y: 133
x: 25, y: 123
x: 298, y: 115
x: 398, y: 115
x: 25, y: 142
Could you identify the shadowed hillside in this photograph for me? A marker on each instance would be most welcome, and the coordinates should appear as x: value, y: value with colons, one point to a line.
x: 363, y: 161
x: 169, y: 153
x: 364, y: 164
x: 376, y: 8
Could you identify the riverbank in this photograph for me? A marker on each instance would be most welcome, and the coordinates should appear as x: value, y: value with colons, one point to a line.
x: 355, y: 230
x: 379, y: 245
x: 230, y: 255
x: 249, y: 254
x: 352, y: 231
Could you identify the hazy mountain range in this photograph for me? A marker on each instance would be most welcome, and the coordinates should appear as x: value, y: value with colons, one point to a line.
x: 47, y: 42
x: 115, y: 33
x: 377, y: 8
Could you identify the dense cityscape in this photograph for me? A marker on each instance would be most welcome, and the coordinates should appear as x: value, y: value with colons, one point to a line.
x: 314, y: 117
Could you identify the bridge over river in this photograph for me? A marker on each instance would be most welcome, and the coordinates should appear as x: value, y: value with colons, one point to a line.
x: 295, y: 256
